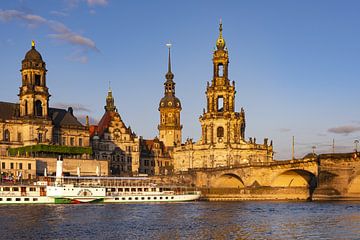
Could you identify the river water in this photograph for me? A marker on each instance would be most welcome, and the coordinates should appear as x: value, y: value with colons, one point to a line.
x: 194, y: 220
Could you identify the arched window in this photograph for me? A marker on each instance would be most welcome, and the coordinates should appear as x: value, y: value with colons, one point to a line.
x: 26, y: 107
x: 220, y: 104
x: 220, y: 132
x: 38, y: 108
x: 37, y: 79
x: 7, y: 135
x: 220, y: 70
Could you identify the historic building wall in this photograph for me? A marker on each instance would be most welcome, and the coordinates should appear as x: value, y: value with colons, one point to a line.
x: 88, y: 167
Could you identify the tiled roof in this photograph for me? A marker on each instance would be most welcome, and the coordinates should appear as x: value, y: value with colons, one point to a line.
x: 61, y: 117
x: 7, y: 110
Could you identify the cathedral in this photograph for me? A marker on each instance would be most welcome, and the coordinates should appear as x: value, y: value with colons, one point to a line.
x: 31, y: 122
x: 222, y: 142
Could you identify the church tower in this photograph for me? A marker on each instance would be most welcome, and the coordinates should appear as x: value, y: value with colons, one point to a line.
x: 170, y: 108
x: 34, y: 95
x: 220, y: 123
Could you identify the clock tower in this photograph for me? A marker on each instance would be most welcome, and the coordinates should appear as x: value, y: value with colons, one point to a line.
x: 170, y: 108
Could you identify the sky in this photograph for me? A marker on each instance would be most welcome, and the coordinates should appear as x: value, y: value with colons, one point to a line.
x: 295, y: 63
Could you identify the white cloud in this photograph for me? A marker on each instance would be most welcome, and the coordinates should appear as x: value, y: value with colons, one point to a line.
x: 346, y: 130
x: 97, y: 2
x: 60, y: 31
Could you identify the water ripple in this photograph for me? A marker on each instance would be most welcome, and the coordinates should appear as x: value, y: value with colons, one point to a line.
x: 197, y: 220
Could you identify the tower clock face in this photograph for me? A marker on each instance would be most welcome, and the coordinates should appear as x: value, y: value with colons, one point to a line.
x: 170, y: 103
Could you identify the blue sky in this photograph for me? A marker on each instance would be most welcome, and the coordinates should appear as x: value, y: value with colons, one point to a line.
x: 295, y: 63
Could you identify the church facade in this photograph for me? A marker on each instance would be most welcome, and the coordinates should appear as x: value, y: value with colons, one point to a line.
x: 222, y: 142
x: 31, y: 122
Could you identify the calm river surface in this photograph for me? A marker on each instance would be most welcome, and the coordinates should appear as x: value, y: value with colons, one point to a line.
x: 196, y: 220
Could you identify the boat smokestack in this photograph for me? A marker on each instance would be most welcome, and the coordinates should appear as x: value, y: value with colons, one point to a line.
x: 59, y: 170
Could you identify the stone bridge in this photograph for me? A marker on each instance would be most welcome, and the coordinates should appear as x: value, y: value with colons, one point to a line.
x: 292, y: 173
x: 322, y: 177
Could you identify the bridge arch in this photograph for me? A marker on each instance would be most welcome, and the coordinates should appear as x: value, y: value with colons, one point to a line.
x: 295, y: 178
x: 354, y: 186
x: 228, y: 180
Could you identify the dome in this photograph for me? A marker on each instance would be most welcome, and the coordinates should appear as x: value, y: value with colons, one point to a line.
x: 33, y: 54
x: 170, y: 102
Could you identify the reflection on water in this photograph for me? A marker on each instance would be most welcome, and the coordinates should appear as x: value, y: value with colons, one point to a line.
x: 197, y: 220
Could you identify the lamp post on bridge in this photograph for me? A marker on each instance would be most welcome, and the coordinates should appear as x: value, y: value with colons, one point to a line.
x: 356, y: 142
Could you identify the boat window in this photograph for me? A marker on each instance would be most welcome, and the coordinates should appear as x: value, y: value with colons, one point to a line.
x: 35, y: 199
x: 17, y: 199
x: 8, y: 199
x: 153, y: 189
x: 113, y: 189
x: 166, y: 198
x: 120, y: 189
x: 123, y: 198
x: 154, y: 198
x: 32, y: 189
x: 160, y: 189
x: 15, y: 189
x: 127, y: 189
x: 130, y: 198
x: 116, y: 198
x: 142, y: 198
x: 26, y: 199
x: 139, y: 189
x: 6, y: 189
x: 133, y: 189
x: 136, y: 198
x: 0, y: 199
x: 172, y: 197
x: 146, y: 189
x: 160, y: 198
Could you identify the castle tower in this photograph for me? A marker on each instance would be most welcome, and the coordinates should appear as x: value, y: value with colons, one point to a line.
x: 34, y: 95
x: 170, y: 108
x: 110, y: 105
x: 220, y: 123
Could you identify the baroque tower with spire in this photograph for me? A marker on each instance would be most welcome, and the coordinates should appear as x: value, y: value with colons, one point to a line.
x: 170, y: 108
x: 222, y: 140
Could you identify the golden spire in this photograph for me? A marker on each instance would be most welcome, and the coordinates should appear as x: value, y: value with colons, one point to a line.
x: 220, y: 43
x: 33, y: 44
x: 169, y: 61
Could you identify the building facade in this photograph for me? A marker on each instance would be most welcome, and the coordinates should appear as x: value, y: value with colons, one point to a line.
x: 114, y: 141
x: 155, y: 158
x: 222, y: 140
